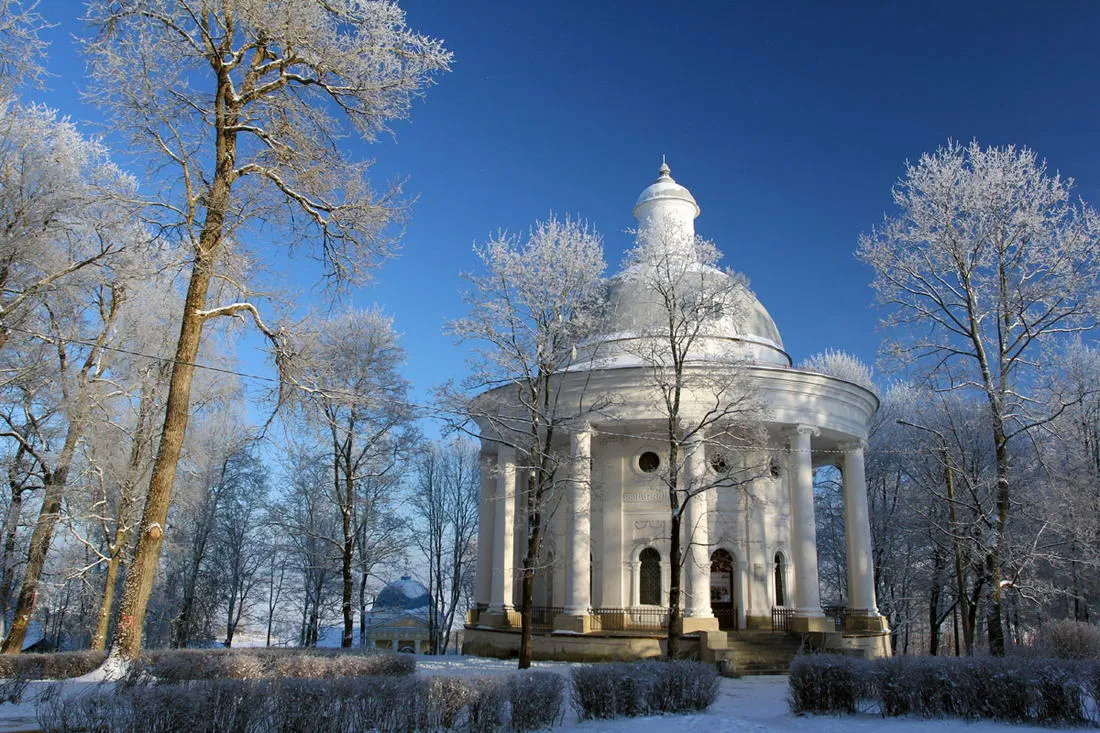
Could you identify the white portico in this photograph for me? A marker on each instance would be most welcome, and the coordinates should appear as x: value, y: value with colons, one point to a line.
x: 750, y: 548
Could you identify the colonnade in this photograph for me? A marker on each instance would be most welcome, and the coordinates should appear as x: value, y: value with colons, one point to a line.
x: 496, y: 570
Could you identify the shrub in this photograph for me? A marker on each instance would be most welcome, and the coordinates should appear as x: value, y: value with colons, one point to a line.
x: 388, y: 704
x: 169, y: 666
x: 536, y: 699
x: 827, y: 683
x: 1069, y: 640
x: 682, y: 686
x: 1010, y: 689
x: 630, y: 689
x: 1061, y: 698
x: 486, y: 709
x: 52, y: 666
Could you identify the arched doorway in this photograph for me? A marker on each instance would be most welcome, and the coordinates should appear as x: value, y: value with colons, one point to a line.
x: 721, y: 589
x: 649, y: 592
x: 780, y: 580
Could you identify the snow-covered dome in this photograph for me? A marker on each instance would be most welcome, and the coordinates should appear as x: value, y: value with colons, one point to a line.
x: 744, y: 331
x: 405, y: 594
x: 663, y: 196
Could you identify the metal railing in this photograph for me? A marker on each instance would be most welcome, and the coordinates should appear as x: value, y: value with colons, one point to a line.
x: 727, y: 618
x: 839, y: 615
x: 781, y: 618
x: 542, y: 617
x: 629, y: 619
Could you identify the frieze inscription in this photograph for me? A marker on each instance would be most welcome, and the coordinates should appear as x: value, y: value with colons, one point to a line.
x: 645, y: 496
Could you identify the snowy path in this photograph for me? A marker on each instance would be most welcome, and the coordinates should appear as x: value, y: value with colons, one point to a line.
x: 748, y: 704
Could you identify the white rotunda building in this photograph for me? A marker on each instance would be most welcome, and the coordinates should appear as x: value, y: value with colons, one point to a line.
x: 749, y: 544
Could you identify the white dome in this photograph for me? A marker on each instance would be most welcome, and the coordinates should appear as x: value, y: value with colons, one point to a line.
x: 744, y: 333
x: 633, y: 313
x: 664, y: 189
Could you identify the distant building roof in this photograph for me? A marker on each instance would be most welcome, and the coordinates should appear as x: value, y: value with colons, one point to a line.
x: 405, y: 594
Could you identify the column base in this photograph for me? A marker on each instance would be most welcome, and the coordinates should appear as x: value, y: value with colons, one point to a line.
x: 809, y: 624
x: 693, y: 624
x: 500, y: 619
x: 863, y: 621
x: 573, y: 623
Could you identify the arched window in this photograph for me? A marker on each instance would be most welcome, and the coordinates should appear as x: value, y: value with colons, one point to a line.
x: 649, y: 586
x: 780, y: 580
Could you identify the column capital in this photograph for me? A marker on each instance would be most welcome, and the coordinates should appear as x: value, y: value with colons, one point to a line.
x: 581, y: 426
x: 851, y: 446
x: 809, y: 430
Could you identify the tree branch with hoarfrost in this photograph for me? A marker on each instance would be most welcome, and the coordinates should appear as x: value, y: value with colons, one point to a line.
x: 534, y: 300
x: 240, y: 107
x: 987, y: 261
x: 697, y: 380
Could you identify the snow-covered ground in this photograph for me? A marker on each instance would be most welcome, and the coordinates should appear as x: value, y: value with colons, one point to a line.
x: 747, y: 704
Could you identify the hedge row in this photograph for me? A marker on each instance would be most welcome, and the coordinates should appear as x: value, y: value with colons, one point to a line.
x: 178, y: 665
x: 630, y: 689
x: 1011, y: 689
x: 522, y: 702
x: 54, y: 666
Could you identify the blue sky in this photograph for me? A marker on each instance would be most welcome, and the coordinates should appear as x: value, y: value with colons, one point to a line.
x: 788, y: 121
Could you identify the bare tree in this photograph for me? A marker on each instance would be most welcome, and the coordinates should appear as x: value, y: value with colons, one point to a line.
x: 351, y: 390
x: 80, y: 370
x: 706, y: 400
x: 63, y: 211
x: 533, y: 303
x: 444, y: 510
x: 21, y: 49
x: 987, y: 261
x: 238, y: 550
x: 236, y: 98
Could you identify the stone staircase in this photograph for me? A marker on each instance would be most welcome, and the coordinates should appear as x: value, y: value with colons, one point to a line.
x: 763, y: 652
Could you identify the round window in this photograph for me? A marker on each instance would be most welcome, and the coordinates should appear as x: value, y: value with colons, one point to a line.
x: 649, y: 461
x: 719, y: 464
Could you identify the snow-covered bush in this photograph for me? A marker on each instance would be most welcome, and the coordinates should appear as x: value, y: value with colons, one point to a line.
x: 840, y: 364
x: 1069, y: 640
x: 397, y: 704
x: 178, y: 665
x: 536, y: 699
x: 1013, y: 689
x: 1061, y: 698
x: 451, y: 696
x: 629, y: 689
x: 682, y: 686
x: 486, y: 707
x: 828, y: 683
x: 53, y: 666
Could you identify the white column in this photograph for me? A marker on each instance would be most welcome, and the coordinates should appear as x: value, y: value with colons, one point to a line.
x: 578, y: 600
x: 857, y: 531
x: 503, y: 529
x: 696, y: 533
x: 485, y: 526
x: 804, y: 541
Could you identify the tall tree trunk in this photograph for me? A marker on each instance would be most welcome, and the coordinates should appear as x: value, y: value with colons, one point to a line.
x: 143, y: 569
x: 934, y: 601
x: 11, y: 531
x: 995, y: 616
x: 956, y: 544
x: 42, y: 536
x: 124, y: 521
x: 348, y: 555
x: 527, y: 598
x: 675, y: 619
